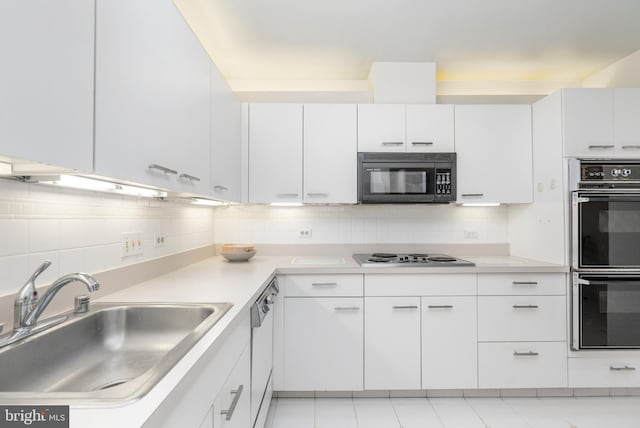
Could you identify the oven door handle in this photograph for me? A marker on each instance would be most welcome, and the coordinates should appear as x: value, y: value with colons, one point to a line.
x: 580, y: 199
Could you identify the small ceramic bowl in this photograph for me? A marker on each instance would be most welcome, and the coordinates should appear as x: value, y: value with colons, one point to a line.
x: 242, y: 256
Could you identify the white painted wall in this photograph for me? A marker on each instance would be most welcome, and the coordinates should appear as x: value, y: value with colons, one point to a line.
x: 356, y: 224
x: 621, y: 74
x: 81, y: 231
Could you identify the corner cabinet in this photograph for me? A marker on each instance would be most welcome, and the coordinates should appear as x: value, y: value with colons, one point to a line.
x: 46, y: 82
x: 494, y: 153
x: 152, y: 97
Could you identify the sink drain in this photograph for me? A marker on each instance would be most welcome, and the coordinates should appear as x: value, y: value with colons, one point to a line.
x: 112, y: 384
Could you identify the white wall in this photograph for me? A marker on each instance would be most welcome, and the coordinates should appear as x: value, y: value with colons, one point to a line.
x: 361, y: 224
x: 81, y: 231
x: 621, y: 74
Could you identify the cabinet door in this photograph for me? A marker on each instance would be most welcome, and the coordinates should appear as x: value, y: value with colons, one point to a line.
x: 323, y: 344
x: 231, y: 407
x: 330, y: 153
x: 225, y: 140
x: 430, y: 128
x: 275, y: 153
x: 392, y: 343
x: 626, y: 126
x: 587, y: 122
x: 152, y: 96
x: 46, y: 81
x: 381, y: 128
x: 207, y: 422
x: 449, y: 343
x: 494, y: 159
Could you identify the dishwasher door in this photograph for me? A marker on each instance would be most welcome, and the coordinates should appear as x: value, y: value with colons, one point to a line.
x: 261, y: 366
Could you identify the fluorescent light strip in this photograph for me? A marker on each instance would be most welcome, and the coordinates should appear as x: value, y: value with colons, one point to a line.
x: 208, y: 202
x: 84, y: 183
x: 481, y: 204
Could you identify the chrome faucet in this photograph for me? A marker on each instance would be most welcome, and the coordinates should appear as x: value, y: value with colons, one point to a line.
x: 27, y: 306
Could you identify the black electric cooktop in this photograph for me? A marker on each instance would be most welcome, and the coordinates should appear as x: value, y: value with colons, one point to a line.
x: 414, y: 259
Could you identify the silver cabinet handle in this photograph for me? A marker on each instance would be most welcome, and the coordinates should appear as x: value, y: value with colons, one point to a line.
x: 287, y: 195
x: 422, y: 143
x: 163, y: 169
x: 405, y: 307
x: 219, y: 188
x: 189, y: 177
x: 525, y: 282
x: 324, y: 284
x: 1, y: 326
x: 346, y: 308
x: 601, y: 146
x: 318, y: 195
x: 392, y: 143
x: 632, y: 146
x: 440, y: 306
x: 525, y: 354
x: 623, y: 368
x: 525, y: 306
x: 236, y: 397
x: 470, y: 195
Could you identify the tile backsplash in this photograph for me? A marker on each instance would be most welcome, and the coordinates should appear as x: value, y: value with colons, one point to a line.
x: 362, y: 224
x: 82, y: 231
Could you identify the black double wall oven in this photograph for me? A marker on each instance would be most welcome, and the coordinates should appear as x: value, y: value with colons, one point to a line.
x: 605, y: 237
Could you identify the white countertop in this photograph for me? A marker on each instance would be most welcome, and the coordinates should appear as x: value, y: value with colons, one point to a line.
x: 216, y: 280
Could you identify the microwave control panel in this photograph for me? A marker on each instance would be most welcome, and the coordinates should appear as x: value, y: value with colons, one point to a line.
x: 443, y: 182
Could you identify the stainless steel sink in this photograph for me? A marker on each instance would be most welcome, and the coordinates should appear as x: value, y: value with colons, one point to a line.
x: 116, y: 351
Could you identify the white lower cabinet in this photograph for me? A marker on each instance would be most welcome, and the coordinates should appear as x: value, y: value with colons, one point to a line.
x: 323, y: 343
x: 522, y: 365
x: 604, y: 372
x: 231, y: 407
x: 392, y: 343
x: 449, y: 342
x: 207, y: 422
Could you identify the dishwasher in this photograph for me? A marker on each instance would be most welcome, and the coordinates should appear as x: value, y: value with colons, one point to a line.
x: 262, y: 354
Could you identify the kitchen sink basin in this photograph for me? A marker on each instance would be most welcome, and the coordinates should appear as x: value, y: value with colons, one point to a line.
x: 116, y: 351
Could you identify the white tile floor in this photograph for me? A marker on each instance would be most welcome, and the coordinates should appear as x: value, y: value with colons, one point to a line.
x: 561, y: 412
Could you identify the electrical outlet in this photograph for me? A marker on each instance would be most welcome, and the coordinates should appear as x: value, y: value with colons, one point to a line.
x: 132, y: 244
x: 470, y: 234
x: 158, y: 240
x: 304, y: 233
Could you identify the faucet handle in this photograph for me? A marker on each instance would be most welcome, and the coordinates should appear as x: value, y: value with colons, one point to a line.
x: 39, y: 270
x: 28, y: 291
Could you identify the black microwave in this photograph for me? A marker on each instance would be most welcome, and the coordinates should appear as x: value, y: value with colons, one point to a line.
x: 406, y: 178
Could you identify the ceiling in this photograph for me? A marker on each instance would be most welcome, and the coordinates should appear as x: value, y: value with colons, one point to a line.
x: 540, y: 40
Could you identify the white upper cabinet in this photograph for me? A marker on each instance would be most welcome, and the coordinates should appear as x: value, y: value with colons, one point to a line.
x: 330, y: 153
x: 225, y: 140
x: 46, y: 81
x: 588, y: 122
x: 626, y: 121
x: 494, y: 157
x: 381, y: 128
x: 405, y: 128
x: 275, y: 153
x: 152, y: 97
x: 430, y: 128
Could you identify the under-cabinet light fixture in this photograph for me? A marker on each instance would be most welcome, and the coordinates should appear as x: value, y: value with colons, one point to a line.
x: 208, y: 202
x: 286, y: 204
x: 84, y: 183
x: 481, y: 204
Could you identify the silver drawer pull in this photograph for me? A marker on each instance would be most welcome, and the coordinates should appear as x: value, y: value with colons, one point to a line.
x: 632, y: 146
x: 525, y: 282
x: 405, y: 307
x: 236, y: 397
x: 440, y: 306
x: 347, y: 308
x: 219, y: 188
x: 287, y: 195
x: 472, y: 195
x: 601, y: 146
x: 163, y: 169
x: 392, y: 143
x: 324, y: 284
x: 422, y: 143
x: 189, y: 177
x: 623, y: 368
x: 525, y: 354
x: 525, y: 306
x: 318, y: 195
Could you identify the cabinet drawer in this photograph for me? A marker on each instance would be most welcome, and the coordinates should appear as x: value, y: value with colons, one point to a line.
x: 420, y: 284
x: 320, y: 285
x: 521, y: 318
x: 522, y: 365
x: 522, y: 284
x: 604, y: 372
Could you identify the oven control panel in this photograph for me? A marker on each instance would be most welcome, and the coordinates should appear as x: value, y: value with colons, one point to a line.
x: 610, y: 172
